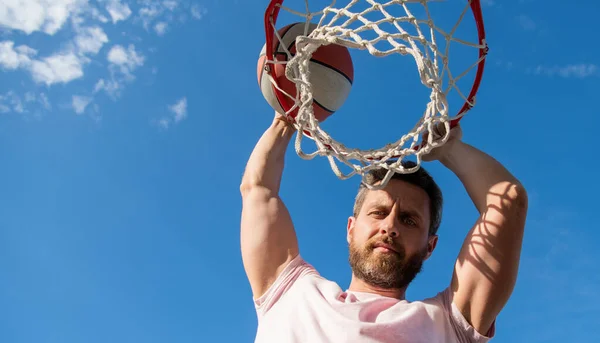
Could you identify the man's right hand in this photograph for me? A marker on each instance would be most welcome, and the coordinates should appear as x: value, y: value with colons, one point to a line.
x: 268, y: 238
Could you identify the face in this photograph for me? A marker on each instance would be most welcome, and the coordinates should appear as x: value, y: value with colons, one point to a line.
x: 389, y: 238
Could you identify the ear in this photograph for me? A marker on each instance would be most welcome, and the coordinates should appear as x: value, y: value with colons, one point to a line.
x: 431, y: 244
x: 350, y: 228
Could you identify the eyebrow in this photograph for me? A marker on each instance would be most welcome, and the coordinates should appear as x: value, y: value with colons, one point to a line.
x: 382, y: 203
x: 412, y: 213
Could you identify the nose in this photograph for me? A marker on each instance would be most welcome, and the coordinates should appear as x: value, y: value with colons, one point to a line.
x: 389, y: 227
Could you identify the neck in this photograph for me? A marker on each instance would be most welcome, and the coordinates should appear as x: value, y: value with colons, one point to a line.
x: 358, y: 285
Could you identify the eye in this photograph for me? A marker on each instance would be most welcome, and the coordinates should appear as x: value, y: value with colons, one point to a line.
x: 409, y: 221
x: 378, y: 213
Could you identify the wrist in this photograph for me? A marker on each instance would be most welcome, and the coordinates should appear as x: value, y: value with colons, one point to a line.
x: 455, y: 157
x: 282, y: 127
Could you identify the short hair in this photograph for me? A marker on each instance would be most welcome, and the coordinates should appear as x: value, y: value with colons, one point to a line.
x: 420, y: 178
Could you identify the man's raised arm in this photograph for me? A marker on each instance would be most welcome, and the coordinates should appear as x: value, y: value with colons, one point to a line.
x: 268, y: 239
x: 486, y: 269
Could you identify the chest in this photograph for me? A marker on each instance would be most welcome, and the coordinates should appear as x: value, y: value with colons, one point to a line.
x: 305, y: 317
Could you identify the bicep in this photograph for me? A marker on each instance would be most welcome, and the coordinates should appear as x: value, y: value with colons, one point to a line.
x: 486, y: 269
x: 268, y: 238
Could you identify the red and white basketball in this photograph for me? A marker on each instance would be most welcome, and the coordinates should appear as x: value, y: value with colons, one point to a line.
x: 331, y: 73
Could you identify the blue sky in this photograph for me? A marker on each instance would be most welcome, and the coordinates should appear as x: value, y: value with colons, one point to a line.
x: 124, y: 132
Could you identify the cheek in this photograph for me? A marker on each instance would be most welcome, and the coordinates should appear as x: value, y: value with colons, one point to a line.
x: 414, y: 242
x: 363, y: 231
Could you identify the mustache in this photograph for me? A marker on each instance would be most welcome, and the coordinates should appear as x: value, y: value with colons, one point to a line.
x: 386, y: 239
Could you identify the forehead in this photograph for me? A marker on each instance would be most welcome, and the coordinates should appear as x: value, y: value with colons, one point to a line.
x: 396, y: 191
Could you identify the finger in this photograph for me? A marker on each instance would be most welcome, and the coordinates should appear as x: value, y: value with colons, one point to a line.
x: 439, y: 131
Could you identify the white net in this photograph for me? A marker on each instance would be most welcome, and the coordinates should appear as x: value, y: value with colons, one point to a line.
x: 384, y: 28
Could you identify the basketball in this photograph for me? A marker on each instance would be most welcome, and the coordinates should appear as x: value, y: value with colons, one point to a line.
x: 331, y: 73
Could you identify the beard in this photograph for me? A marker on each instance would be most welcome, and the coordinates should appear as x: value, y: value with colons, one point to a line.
x: 388, y: 271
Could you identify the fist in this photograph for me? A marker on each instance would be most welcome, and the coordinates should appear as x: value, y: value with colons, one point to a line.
x: 438, y: 133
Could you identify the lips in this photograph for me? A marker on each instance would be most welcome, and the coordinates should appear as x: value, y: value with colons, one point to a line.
x: 387, y: 246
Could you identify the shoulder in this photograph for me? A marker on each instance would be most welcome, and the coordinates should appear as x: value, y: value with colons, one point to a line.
x: 297, y: 273
x: 458, y: 324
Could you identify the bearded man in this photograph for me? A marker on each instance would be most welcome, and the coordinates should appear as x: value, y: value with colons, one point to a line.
x: 391, y: 233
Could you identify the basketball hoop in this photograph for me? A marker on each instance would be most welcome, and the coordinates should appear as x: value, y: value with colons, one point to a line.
x: 367, y: 25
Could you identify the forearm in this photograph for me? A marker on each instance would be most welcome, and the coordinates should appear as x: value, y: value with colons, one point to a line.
x: 486, y: 269
x: 484, y: 178
x: 265, y: 165
x: 267, y: 235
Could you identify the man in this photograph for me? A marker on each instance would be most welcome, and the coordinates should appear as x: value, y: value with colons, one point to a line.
x: 392, y: 231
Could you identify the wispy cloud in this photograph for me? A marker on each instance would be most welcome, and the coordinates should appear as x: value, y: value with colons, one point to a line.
x: 12, y: 102
x: 62, y: 66
x: 178, y: 112
x: 126, y: 59
x: 505, y: 64
x: 199, y: 12
x: 526, y: 22
x: 80, y: 103
x: 161, y: 28
x: 157, y: 13
x: 122, y: 63
x: 118, y: 11
x: 83, y: 43
x: 580, y: 71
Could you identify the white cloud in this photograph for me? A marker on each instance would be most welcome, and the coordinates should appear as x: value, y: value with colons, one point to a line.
x: 122, y: 64
x: 111, y: 87
x: 58, y: 68
x: 198, y: 12
x: 117, y: 55
x: 155, y: 14
x: 61, y: 67
x: 11, y: 58
x: 18, y: 105
x: 171, y: 5
x: 118, y: 11
x: 160, y: 28
x: 128, y: 59
x: 29, y: 16
x: 11, y: 102
x: 82, y: 26
x: 95, y: 13
x: 149, y: 13
x: 90, y: 40
x: 163, y: 123
x: 25, y: 50
x: 581, y: 70
x: 179, y: 109
x: 49, y: 16
x: 44, y: 101
x: 80, y: 103
x: 178, y: 113
x: 41, y: 99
